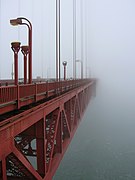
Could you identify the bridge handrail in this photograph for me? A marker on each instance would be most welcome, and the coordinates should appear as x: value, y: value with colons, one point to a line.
x: 8, y: 94
x: 17, y: 93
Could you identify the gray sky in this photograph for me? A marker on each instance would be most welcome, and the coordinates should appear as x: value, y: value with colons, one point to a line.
x: 110, y: 36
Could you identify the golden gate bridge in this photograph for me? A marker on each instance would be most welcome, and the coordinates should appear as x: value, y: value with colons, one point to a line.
x: 38, y: 119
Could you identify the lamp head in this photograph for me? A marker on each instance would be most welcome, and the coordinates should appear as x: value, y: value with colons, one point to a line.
x: 15, y: 46
x: 64, y: 63
x: 25, y: 50
x: 16, y: 22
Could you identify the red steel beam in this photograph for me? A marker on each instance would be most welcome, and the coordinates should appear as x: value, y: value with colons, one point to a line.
x: 52, y: 125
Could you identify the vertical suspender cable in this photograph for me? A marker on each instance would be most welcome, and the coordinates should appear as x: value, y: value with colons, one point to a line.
x: 20, y: 63
x: 42, y: 44
x: 74, y: 39
x: 82, y: 48
x: 57, y: 56
x: 59, y: 39
x: 86, y: 68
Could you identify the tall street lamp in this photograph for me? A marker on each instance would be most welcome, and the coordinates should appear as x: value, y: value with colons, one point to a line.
x: 64, y: 64
x: 16, y: 47
x: 25, y: 51
x: 81, y: 67
x: 19, y: 21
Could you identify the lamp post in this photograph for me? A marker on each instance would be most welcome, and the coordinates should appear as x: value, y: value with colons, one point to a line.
x: 25, y: 51
x: 19, y: 21
x: 64, y: 64
x: 16, y: 47
x: 81, y: 67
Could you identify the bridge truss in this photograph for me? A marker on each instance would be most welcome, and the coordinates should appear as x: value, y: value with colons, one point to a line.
x: 34, y: 138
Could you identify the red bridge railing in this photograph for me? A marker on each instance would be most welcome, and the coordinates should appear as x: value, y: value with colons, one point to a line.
x: 15, y: 96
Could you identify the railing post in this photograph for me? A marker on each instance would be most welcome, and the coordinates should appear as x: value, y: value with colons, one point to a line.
x: 56, y: 88
x: 35, y: 92
x: 47, y: 89
x: 65, y: 83
x: 18, y: 97
x: 59, y: 92
x: 94, y: 89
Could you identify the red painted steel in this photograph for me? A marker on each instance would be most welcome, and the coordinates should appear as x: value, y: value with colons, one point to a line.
x: 17, y: 96
x: 16, y: 47
x: 19, y: 21
x: 25, y: 51
x: 33, y: 142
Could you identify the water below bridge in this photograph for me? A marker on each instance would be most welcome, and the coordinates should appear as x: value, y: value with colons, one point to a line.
x: 104, y: 145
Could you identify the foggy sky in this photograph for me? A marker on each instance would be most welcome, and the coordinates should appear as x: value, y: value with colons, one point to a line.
x: 110, y: 36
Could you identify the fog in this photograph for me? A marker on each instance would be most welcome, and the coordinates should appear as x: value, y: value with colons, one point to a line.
x: 42, y: 16
x: 104, y: 146
x: 109, y: 50
x: 112, y: 55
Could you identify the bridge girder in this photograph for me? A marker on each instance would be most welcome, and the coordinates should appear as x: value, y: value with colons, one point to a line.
x: 34, y: 142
